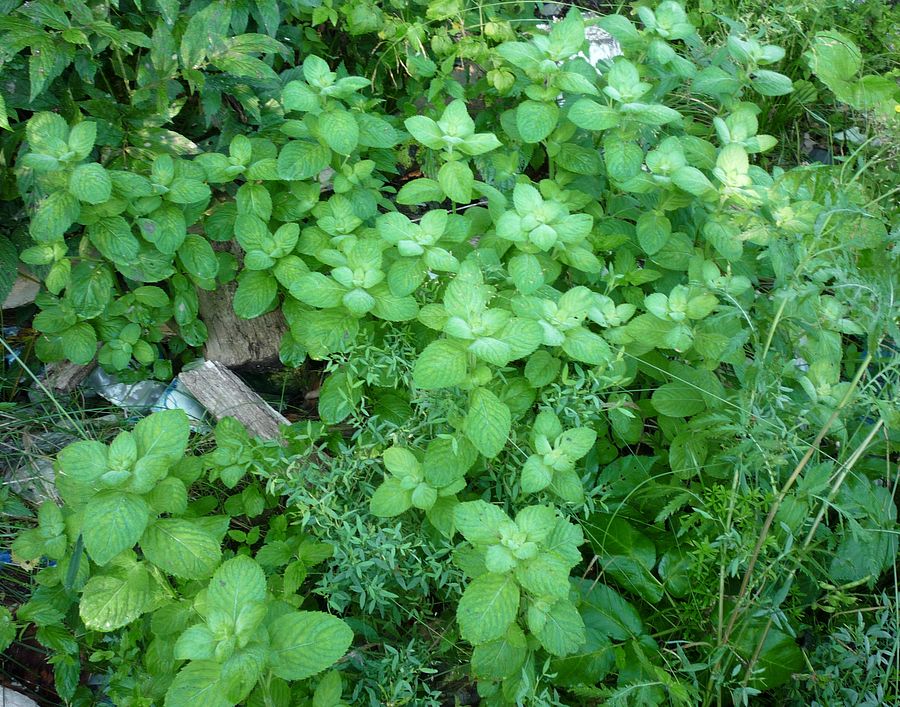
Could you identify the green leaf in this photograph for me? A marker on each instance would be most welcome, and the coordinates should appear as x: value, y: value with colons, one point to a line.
x: 181, y: 548
x: 526, y: 273
x: 770, y: 83
x: 198, y: 258
x: 4, y: 123
x: 376, y: 132
x: 255, y: 294
x: 300, y: 159
x: 90, y: 183
x: 487, y: 608
x: 678, y: 399
x: 390, y: 499
x: 479, y: 521
x: 447, y: 462
x: 535, y: 120
x: 80, y: 343
x: 305, y: 643
x: 340, y: 130
x: 607, y: 611
x: 163, y: 433
x: 542, y: 368
x: 420, y: 191
x: 238, y: 64
x: 578, y: 159
x: 187, y: 191
x: 108, y: 603
x: 653, y: 230
x: 692, y: 180
x: 236, y: 582
x: 198, y: 683
x: 456, y: 180
x: 318, y: 290
x: 623, y: 158
x: 833, y: 56
x: 561, y: 631
x: 299, y: 96
x: 589, y: 115
x: 442, y: 364
x: 54, y: 216
x: 487, y: 422
x: 626, y: 555
x: 586, y: 346
x: 338, y: 398
x: 501, y: 658
x: 113, y: 238
x: 114, y: 522
x: 426, y: 131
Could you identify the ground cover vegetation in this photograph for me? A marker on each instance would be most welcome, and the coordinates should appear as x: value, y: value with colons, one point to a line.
x: 610, y: 369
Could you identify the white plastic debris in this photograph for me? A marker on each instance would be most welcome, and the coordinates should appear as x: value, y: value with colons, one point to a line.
x: 11, y: 698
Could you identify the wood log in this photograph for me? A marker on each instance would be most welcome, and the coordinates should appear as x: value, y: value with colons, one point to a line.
x: 225, y: 395
x: 64, y: 376
x: 239, y: 343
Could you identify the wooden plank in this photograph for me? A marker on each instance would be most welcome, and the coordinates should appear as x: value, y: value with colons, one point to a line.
x: 225, y: 395
x: 25, y: 289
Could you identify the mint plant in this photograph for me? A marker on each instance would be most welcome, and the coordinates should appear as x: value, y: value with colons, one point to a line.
x: 512, y: 277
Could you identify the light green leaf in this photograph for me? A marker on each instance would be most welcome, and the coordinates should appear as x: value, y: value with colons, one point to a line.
x: 487, y: 423
x: 589, y: 115
x: 340, y: 130
x: 653, y: 230
x: 305, y: 643
x: 163, y: 433
x: 456, y: 180
x: 487, y: 608
x: 182, y: 548
x: 114, y: 521
x: 536, y: 476
x: 586, y: 346
x: 442, y: 364
x: 479, y: 521
x: 562, y: 629
x: 198, y: 683
x: 419, y: 191
x: 90, y: 183
x: 84, y: 461
x: 535, y: 120
x: 236, y: 582
x: 390, y: 499
x: 255, y: 294
x: 300, y: 159
x: 542, y: 368
x: 770, y: 83
x: 109, y: 602
x: 678, y: 399
x: 526, y: 273
x: 425, y: 131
